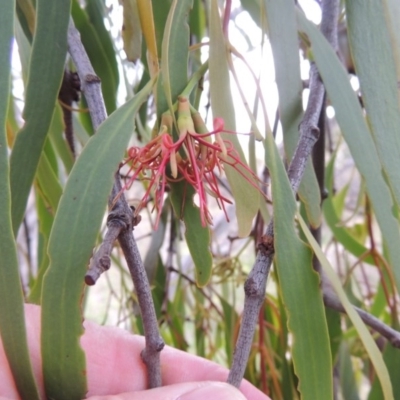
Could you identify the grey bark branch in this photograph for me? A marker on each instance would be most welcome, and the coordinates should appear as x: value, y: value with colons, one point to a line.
x: 256, y: 282
x: 393, y: 336
x: 120, y: 221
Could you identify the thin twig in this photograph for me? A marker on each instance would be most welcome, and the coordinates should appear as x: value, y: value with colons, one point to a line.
x: 120, y: 221
x: 201, y: 290
x: 256, y: 282
x: 393, y: 336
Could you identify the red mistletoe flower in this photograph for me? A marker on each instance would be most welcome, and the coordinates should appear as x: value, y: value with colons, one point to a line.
x: 192, y: 158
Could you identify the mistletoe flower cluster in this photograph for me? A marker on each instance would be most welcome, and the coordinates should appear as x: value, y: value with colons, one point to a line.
x: 193, y: 158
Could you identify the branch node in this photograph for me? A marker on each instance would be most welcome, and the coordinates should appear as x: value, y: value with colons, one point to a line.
x: 266, y: 245
x: 90, y: 78
x: 251, y: 287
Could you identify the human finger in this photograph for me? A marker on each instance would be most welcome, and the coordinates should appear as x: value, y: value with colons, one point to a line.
x: 182, y: 391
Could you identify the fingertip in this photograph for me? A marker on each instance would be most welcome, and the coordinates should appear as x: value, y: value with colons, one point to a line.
x: 182, y: 391
x: 215, y: 391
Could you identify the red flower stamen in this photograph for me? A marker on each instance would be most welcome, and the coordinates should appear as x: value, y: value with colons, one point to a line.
x: 198, y: 169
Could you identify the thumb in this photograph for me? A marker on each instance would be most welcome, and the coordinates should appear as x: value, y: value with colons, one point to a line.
x: 182, y: 391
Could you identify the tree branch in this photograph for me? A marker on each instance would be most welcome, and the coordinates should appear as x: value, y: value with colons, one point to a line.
x: 120, y: 221
x: 256, y: 282
x: 393, y: 336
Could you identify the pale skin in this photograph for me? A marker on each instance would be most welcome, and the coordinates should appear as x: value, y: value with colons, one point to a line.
x: 116, y: 372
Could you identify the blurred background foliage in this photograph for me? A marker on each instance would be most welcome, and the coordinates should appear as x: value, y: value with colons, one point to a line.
x: 259, y: 84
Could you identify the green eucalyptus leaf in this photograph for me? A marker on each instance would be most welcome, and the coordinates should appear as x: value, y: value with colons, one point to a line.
x: 175, y: 50
x: 285, y: 48
x: 346, y: 373
x: 368, y: 341
x: 369, y: 38
x: 300, y: 288
x: 392, y: 360
x: 72, y: 239
x: 56, y: 136
x: 256, y: 9
x: 332, y: 218
x: 197, y: 237
x: 358, y: 138
x: 197, y: 20
x: 247, y: 197
x: 46, y: 69
x: 131, y: 33
x: 12, y: 317
x: 45, y: 220
x: 48, y: 183
x: 26, y: 16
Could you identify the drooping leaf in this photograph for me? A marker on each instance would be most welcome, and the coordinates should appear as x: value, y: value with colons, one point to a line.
x: 300, y: 288
x: 197, y: 237
x: 27, y: 18
x: 230, y: 323
x: 392, y: 360
x: 369, y: 343
x: 45, y: 219
x: 72, y: 239
x: 369, y: 38
x: 358, y: 138
x: 197, y: 20
x: 147, y: 22
x: 46, y: 68
x: 56, y: 136
x: 392, y: 16
x: 285, y: 48
x: 256, y: 9
x: 131, y: 33
x: 346, y: 374
x: 175, y: 50
x: 247, y: 198
x: 48, y: 183
x: 340, y: 232
x: 12, y: 317
x: 151, y: 261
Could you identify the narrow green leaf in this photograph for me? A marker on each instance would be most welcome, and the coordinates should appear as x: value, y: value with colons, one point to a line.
x: 346, y: 373
x: 45, y: 73
x: 333, y: 319
x: 48, y: 182
x: 299, y: 285
x: 358, y: 137
x: 151, y: 261
x: 12, y: 317
x: 72, y: 239
x: 369, y: 343
x: 392, y: 15
x: 340, y: 232
x: 247, y: 198
x: 24, y: 49
x: 26, y: 15
x: 257, y: 12
x: 230, y: 320
x: 56, y: 136
x: 392, y: 360
x: 45, y: 220
x: 160, y: 11
x: 197, y: 20
x: 175, y: 50
x: 285, y: 48
x: 131, y: 33
x: 369, y: 39
x: 197, y: 237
